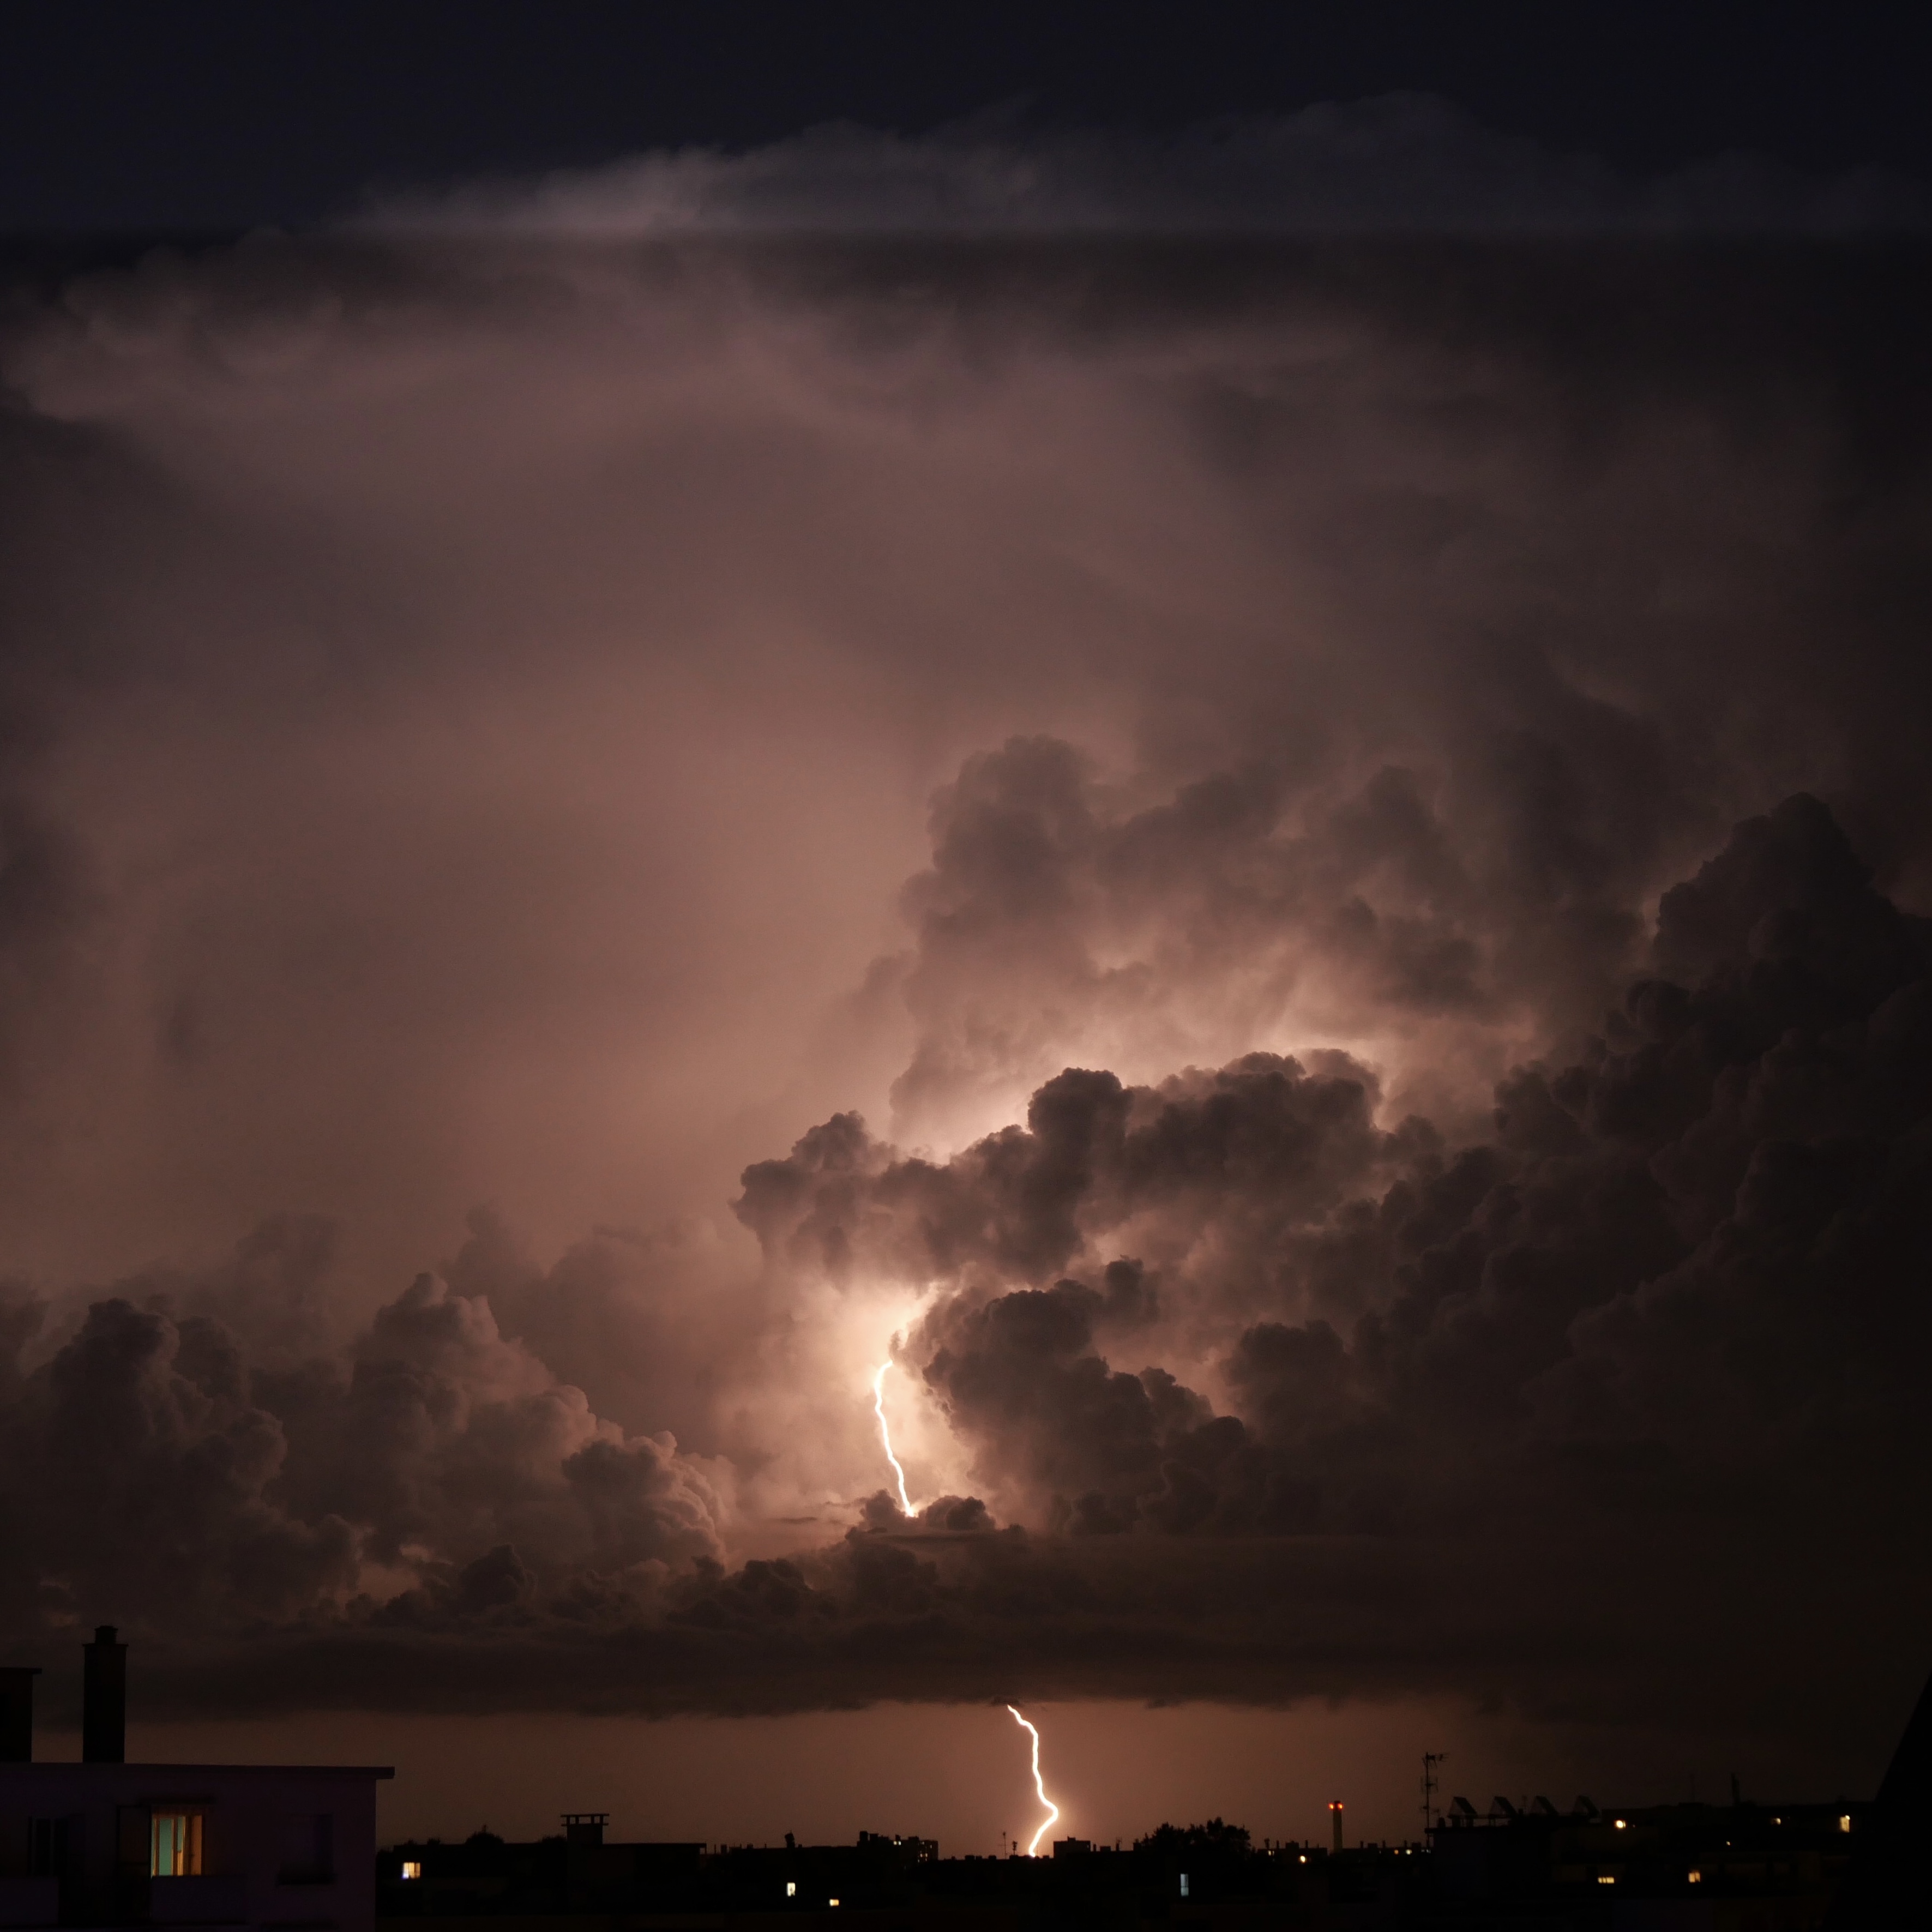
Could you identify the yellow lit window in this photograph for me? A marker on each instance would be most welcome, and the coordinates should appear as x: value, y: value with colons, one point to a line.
x: 831, y: 1901
x: 1604, y: 1878
x: 791, y: 1888
x: 174, y: 1845
x: 412, y: 1868
x: 1844, y: 1821
x: 1697, y: 1878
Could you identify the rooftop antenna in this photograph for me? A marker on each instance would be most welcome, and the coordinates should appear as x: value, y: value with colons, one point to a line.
x: 1430, y: 1759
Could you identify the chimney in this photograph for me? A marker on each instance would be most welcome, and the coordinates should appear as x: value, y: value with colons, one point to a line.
x: 1335, y: 1818
x: 103, y: 1700
x: 16, y: 1714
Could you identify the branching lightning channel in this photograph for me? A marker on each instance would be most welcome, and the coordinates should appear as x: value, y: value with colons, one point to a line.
x: 886, y: 1435
x: 1052, y: 1809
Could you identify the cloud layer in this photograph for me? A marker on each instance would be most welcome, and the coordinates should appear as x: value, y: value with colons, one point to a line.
x: 1401, y: 163
x: 1313, y: 849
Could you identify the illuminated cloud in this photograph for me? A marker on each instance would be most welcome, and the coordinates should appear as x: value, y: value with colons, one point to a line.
x: 1146, y: 767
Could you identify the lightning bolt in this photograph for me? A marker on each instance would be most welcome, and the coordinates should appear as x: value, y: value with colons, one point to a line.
x: 886, y: 1435
x: 1053, y: 1810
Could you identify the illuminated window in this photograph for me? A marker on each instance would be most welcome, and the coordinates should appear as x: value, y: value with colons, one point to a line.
x: 831, y: 1901
x: 1844, y: 1821
x: 1604, y: 1878
x: 174, y: 1845
x: 1620, y: 1824
x: 1183, y: 1884
x: 1697, y: 1878
x: 412, y: 1868
x: 791, y: 1888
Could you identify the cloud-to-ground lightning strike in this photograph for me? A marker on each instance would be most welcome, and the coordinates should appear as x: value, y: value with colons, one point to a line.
x: 886, y: 1437
x: 1052, y: 1809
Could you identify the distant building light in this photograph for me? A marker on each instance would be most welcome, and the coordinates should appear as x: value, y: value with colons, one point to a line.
x: 413, y: 1868
x: 1604, y: 1878
x: 1620, y: 1824
x: 1696, y: 1877
x: 1844, y: 1821
x: 791, y: 1888
x: 1304, y: 1857
x: 831, y: 1901
x: 1183, y: 1884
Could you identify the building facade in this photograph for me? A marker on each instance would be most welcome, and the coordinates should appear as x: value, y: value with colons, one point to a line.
x: 104, y: 1843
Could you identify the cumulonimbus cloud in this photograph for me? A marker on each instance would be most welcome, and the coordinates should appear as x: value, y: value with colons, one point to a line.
x: 1672, y: 1298
x: 1349, y: 816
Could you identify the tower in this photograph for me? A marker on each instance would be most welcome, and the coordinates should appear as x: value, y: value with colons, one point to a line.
x: 1430, y: 1759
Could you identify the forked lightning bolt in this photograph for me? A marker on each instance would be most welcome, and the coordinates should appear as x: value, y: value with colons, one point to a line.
x: 1052, y: 1809
x: 886, y: 1435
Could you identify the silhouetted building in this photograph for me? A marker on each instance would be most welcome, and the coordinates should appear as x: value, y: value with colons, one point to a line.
x: 1743, y: 1867
x: 16, y: 1714
x: 576, y: 1870
x: 1890, y: 1881
x: 1703, y: 1862
x: 1528, y: 1867
x: 1200, y: 1875
x: 107, y: 1843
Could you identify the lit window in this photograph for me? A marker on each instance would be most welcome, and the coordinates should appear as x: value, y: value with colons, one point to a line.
x: 1697, y: 1878
x: 1620, y: 1824
x: 791, y: 1888
x: 1604, y: 1878
x: 412, y: 1868
x: 1844, y: 1821
x: 831, y: 1901
x: 1183, y: 1884
x: 174, y: 1845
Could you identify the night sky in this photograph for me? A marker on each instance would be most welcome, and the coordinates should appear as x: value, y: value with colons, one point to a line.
x: 1186, y: 745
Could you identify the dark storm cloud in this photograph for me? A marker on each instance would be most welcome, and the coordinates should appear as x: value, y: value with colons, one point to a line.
x: 155, y: 1458
x: 476, y: 703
